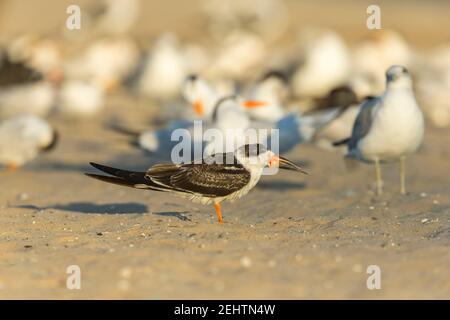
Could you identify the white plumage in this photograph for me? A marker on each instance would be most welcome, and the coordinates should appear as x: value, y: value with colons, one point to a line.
x: 22, y: 138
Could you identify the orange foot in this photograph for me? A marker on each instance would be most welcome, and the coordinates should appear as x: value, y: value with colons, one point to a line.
x: 218, y: 212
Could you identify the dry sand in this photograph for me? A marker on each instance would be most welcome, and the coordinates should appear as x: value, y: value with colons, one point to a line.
x: 292, y: 237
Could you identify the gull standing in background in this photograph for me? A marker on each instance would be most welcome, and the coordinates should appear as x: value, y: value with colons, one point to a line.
x: 389, y: 127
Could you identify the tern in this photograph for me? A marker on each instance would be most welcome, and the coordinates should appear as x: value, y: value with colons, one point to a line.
x: 389, y: 127
x: 224, y: 176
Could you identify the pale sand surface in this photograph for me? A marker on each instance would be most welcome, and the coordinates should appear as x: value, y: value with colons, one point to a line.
x: 292, y: 237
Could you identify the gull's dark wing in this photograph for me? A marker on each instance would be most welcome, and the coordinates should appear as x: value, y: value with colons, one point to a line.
x: 363, y: 121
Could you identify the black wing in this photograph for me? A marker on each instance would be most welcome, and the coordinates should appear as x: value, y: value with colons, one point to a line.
x: 210, y: 180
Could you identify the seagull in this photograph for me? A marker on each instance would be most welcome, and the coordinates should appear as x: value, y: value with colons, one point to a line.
x: 23, y: 138
x: 225, y: 176
x: 389, y: 127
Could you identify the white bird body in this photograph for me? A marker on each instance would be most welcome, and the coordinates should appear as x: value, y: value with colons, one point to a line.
x: 327, y: 66
x: 34, y: 98
x: 272, y: 90
x: 164, y: 70
x: 397, y: 127
x: 105, y: 62
x: 80, y: 99
x: 22, y: 138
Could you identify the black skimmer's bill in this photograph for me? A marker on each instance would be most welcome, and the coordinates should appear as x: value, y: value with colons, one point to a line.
x: 226, y: 176
x: 388, y: 127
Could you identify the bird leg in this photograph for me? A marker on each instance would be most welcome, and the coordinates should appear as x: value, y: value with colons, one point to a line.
x: 218, y: 212
x: 378, y: 174
x: 402, y: 176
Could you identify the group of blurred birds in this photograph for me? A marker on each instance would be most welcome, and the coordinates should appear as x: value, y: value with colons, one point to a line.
x: 241, y: 74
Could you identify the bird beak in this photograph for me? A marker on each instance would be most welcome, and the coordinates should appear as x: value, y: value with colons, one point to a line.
x: 254, y: 104
x: 198, y: 107
x: 285, y: 164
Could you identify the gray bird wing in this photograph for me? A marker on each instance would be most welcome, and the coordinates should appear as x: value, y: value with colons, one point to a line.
x: 363, y: 121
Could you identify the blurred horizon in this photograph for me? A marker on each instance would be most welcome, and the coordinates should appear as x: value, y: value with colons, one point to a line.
x: 423, y: 24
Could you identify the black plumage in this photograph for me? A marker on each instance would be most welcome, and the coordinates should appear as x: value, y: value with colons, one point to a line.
x: 13, y: 73
x: 217, y: 179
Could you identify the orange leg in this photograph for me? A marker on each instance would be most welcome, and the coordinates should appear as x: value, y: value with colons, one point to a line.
x: 218, y: 212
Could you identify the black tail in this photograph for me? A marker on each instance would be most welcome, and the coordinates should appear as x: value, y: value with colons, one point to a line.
x: 341, y: 142
x: 121, y: 177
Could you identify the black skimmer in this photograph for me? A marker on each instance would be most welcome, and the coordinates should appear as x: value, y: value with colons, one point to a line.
x: 226, y: 176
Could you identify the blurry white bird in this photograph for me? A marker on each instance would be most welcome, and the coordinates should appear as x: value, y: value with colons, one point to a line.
x: 79, y: 98
x: 326, y: 65
x: 117, y: 16
x: 433, y: 87
x: 23, y: 90
x: 229, y: 126
x: 228, y: 114
x: 106, y: 63
x: 380, y: 50
x: 268, y: 18
x: 232, y: 120
x: 164, y: 70
x: 23, y: 138
x: 273, y: 89
x: 44, y: 55
x: 239, y: 57
x: 201, y: 95
x: 345, y: 100
x: 389, y: 127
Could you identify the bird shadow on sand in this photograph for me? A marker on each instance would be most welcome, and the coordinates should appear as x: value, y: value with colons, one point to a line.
x: 59, y: 166
x: 179, y: 215
x: 280, y: 185
x: 92, y: 208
